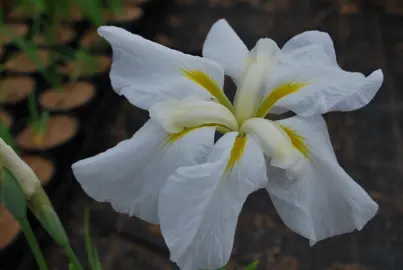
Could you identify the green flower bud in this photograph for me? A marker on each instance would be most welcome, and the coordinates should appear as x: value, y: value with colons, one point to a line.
x: 31, y: 193
x: 24, y: 175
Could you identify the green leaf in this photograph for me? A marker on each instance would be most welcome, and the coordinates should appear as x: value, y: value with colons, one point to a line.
x: 42, y: 208
x: 72, y: 266
x: 92, y: 11
x: 12, y: 197
x: 5, y: 134
x: 27, y: 47
x: 252, y: 266
x: 33, y: 243
x: 36, y: 25
x: 43, y: 122
x: 33, y: 112
x: 85, y: 64
x: 93, y: 255
x: 31, y: 50
x: 97, y: 260
x: 38, y: 121
x: 54, y: 76
x: 87, y: 234
x: 114, y: 5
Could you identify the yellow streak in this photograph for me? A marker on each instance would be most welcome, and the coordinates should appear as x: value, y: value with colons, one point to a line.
x: 236, y: 152
x: 207, y: 83
x: 297, y: 141
x: 174, y: 137
x: 277, y: 94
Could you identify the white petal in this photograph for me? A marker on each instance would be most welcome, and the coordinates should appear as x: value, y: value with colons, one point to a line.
x: 310, y: 47
x: 175, y: 115
x: 199, y: 206
x: 323, y: 89
x: 277, y: 110
x: 146, y: 72
x: 131, y: 174
x: 225, y: 47
x: 323, y: 201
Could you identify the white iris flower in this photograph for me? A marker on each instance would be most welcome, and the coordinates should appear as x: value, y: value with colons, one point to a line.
x: 171, y: 172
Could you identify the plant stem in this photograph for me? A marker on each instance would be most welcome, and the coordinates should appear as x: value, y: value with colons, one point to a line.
x: 33, y: 244
x: 72, y: 257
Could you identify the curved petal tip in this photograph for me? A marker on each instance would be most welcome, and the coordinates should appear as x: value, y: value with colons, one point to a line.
x: 376, y: 77
x: 106, y: 30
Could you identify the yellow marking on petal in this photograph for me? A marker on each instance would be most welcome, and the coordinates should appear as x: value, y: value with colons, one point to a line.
x: 174, y: 137
x: 277, y: 94
x: 204, y: 80
x: 236, y: 152
x: 297, y: 141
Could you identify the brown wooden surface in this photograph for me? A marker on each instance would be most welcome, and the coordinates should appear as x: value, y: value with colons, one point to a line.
x: 368, y: 142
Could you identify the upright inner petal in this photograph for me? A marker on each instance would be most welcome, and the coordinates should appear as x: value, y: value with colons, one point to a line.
x: 260, y: 59
x: 176, y: 116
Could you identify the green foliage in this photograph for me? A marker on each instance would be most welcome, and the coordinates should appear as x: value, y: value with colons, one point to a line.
x: 14, y: 200
x: 47, y: 16
x: 92, y: 10
x: 33, y: 244
x: 252, y: 266
x: 38, y: 120
x: 35, y: 6
x: 6, y: 135
x: 114, y: 5
x: 43, y: 210
x: 31, y: 50
x: 33, y: 110
x: 86, y: 63
x: 92, y: 252
x: 12, y: 196
x: 50, y: 15
x: 28, y: 47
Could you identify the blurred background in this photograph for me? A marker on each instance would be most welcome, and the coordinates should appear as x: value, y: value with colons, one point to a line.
x: 57, y: 106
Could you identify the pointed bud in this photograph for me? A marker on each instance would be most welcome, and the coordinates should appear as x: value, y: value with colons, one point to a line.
x: 24, y: 175
x: 38, y: 201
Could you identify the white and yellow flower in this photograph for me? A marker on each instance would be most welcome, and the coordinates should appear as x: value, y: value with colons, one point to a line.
x: 172, y: 173
x: 306, y: 80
